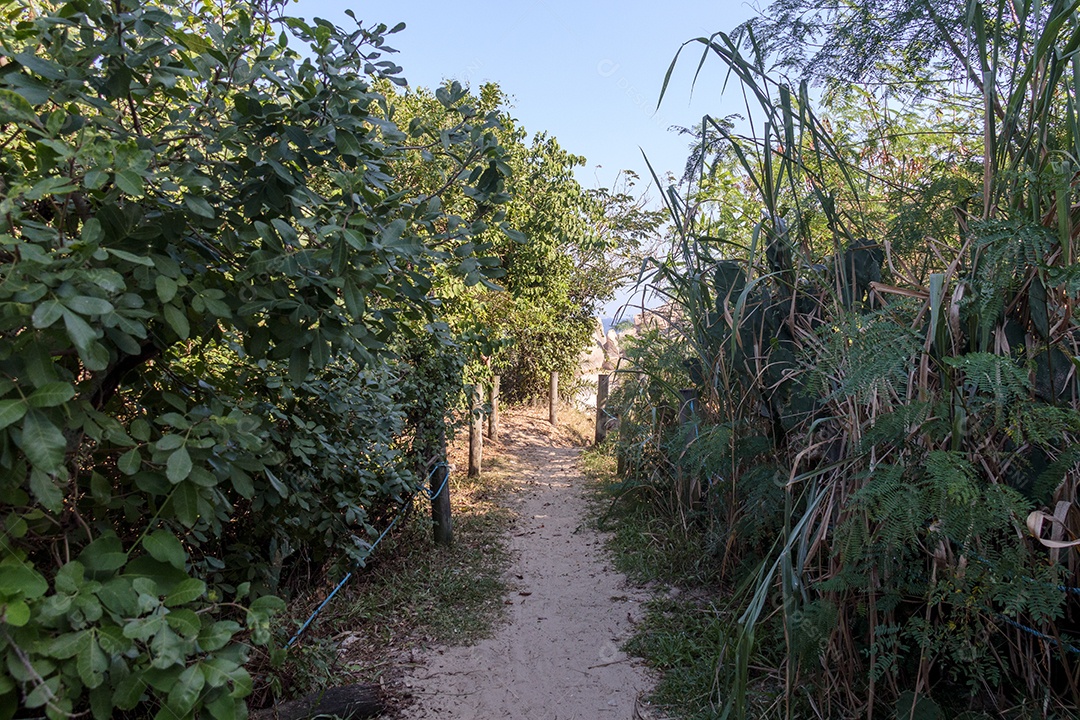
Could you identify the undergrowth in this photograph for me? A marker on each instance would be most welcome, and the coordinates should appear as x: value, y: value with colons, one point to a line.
x: 681, y: 634
x: 412, y: 594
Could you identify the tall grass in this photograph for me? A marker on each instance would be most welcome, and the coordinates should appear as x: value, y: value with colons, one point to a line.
x: 877, y: 424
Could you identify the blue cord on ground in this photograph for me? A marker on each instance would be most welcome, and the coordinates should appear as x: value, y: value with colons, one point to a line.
x: 371, y: 549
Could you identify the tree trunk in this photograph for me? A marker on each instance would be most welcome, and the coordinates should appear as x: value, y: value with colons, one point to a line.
x: 348, y: 702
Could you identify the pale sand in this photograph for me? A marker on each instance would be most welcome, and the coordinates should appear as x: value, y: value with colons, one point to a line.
x: 557, y: 657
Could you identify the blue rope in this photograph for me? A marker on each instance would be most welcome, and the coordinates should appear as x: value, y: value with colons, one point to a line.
x: 1018, y: 625
x: 1042, y: 636
x: 371, y: 548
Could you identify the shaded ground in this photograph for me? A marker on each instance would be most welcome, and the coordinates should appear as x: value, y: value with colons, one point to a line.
x: 557, y: 656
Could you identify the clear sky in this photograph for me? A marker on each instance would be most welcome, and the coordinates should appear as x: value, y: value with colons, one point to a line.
x: 587, y: 72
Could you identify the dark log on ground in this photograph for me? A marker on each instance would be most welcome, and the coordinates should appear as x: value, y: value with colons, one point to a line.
x: 348, y: 702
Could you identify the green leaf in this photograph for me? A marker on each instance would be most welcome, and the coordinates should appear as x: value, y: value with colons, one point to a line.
x: 178, y: 321
x: 42, y: 442
x: 41, y: 66
x: 51, y: 395
x: 241, y: 482
x: 11, y: 411
x: 354, y: 300
x: 16, y: 580
x: 241, y: 683
x: 92, y: 664
x: 47, y: 313
x: 101, y: 706
x: 178, y: 466
x: 130, y: 462
x: 46, y: 491
x: 94, y: 180
x: 347, y: 144
x: 267, y: 604
x: 129, y: 691
x: 100, y: 488
x: 164, y: 546
x: 104, y: 555
x: 50, y: 186
x: 16, y: 613
x: 86, y: 305
x: 185, y: 592
x: 224, y: 707
x: 299, y: 364
x: 168, y: 649
x: 199, y: 206
x: 185, y: 692
x: 70, y: 577
x: 216, y: 636
x: 107, y: 279
x: 184, y: 621
x: 130, y: 182
x: 166, y: 288
x: 112, y: 640
x: 910, y: 706
x: 393, y: 232
x: 185, y: 499
x: 43, y: 693
x: 131, y: 257
x: 15, y: 109
x: 78, y: 330
x: 169, y: 442
x: 1037, y: 307
x: 68, y: 645
x: 140, y: 429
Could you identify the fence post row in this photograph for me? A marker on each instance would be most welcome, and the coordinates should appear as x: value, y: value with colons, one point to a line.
x: 602, y: 383
x: 476, y: 432
x: 689, y: 485
x: 493, y: 418
x: 440, y: 490
x: 553, y: 403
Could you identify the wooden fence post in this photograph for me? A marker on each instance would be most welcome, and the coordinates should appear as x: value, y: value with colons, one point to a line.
x: 440, y: 490
x: 493, y: 418
x: 688, y: 407
x: 689, y: 487
x: 602, y: 383
x: 476, y: 432
x: 553, y: 402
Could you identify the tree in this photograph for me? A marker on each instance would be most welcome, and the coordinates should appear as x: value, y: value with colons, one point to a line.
x: 207, y: 259
x: 568, y: 250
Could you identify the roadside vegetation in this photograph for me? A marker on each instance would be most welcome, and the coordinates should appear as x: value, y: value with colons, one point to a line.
x: 399, y: 605
x: 248, y: 278
x: 869, y: 506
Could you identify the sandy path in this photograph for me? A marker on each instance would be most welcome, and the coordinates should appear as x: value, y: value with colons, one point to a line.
x: 558, y: 656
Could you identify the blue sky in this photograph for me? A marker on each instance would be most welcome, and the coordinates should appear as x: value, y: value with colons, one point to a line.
x: 587, y: 72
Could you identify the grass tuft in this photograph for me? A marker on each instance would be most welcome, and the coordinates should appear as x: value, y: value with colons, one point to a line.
x: 682, y: 635
x: 413, y: 594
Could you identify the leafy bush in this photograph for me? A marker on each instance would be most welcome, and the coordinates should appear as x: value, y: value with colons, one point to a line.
x: 207, y: 262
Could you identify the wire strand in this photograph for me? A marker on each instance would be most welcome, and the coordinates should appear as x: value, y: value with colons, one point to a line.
x: 371, y: 549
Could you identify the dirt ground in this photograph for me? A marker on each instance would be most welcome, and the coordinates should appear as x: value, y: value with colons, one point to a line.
x: 557, y: 656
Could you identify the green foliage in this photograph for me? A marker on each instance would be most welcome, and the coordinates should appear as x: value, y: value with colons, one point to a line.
x: 910, y: 398
x: 209, y: 268
x: 567, y: 252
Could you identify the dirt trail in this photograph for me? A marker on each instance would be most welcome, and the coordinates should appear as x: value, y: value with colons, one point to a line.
x: 557, y: 657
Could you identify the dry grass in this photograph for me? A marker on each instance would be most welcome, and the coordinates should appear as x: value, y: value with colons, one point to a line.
x: 413, y: 594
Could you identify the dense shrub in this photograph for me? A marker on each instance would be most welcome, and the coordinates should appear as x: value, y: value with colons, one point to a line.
x: 207, y: 262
